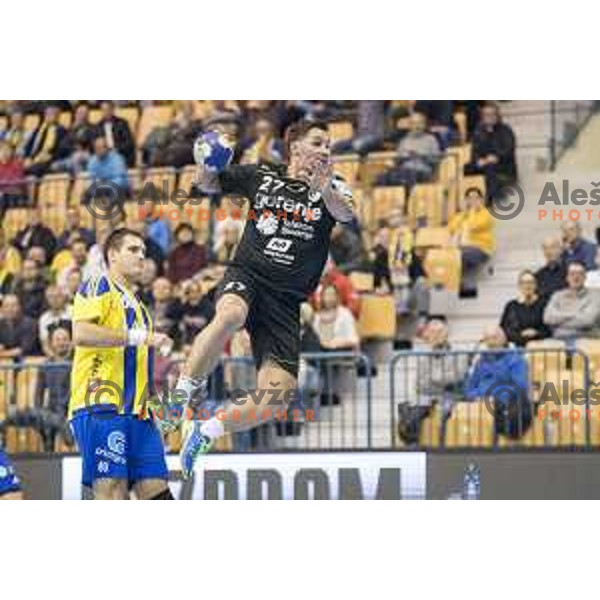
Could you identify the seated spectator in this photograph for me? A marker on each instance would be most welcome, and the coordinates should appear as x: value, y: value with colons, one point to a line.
x: 153, y: 250
x: 107, y: 165
x: 493, y: 151
x: 440, y: 116
x: 78, y: 258
x: 197, y: 310
x: 35, y: 233
x: 188, y: 257
x: 166, y: 309
x: 574, y: 312
x: 10, y: 258
x: 501, y: 375
x: 73, y: 228
x: 159, y: 231
x: 553, y: 275
x: 149, y: 274
x: 418, y: 155
x: 116, y: 132
x: 593, y: 277
x: 473, y: 232
x: 346, y: 249
x: 72, y: 286
x: 58, y: 314
x: 440, y: 380
x: 263, y: 146
x: 38, y: 254
x: 334, y: 323
x: 370, y: 130
x: 523, y: 318
x: 30, y: 288
x: 575, y: 247
x: 13, y: 191
x: 48, y: 415
x: 16, y: 134
x: 46, y: 144
x: 227, y: 238
x: 95, y: 261
x: 78, y: 143
x: 346, y: 292
x: 18, y: 332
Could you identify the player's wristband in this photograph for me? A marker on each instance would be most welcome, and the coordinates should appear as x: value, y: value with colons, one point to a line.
x: 137, y: 337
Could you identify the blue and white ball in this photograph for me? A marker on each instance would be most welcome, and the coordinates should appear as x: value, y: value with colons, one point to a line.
x: 213, y: 150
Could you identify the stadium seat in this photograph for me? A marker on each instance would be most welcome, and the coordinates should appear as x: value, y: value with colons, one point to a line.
x: 545, y: 356
x: 342, y: 130
x: 591, y: 348
x: 375, y: 164
x: 52, y: 198
x: 470, y: 425
x: 27, y: 378
x: 426, y: 205
x: 153, y: 116
x: 163, y: 179
x: 377, y: 318
x: 450, y: 175
x: 443, y: 268
x: 135, y: 179
x: 462, y: 153
x: 477, y: 181
x: 460, y: 118
x: 131, y: 114
x: 347, y: 166
x: 7, y: 386
x: 15, y: 219
x: 431, y: 429
x: 432, y: 237
x: 23, y: 439
x: 186, y: 176
x: 3, y: 122
x: 362, y: 282
x: 31, y: 122
x: 65, y: 118
x: 80, y: 184
x: 383, y: 201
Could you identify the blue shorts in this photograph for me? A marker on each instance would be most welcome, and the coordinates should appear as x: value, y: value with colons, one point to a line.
x: 115, y: 446
x: 9, y: 482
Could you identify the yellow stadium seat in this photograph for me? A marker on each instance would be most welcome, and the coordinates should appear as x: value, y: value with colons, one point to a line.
x: 163, y: 179
x: 545, y: 357
x: 31, y: 122
x: 15, y: 219
x: 362, y: 282
x: 462, y: 153
x: 53, y: 196
x: 432, y: 237
x: 347, y: 166
x: 7, y: 386
x: 426, y: 205
x: 27, y: 379
x: 471, y: 425
x: 443, y: 268
x: 135, y: 178
x: 65, y: 118
x: 591, y: 348
x: 430, y: 435
x: 450, y: 175
x: 383, y: 201
x: 153, y: 116
x: 468, y: 181
x: 342, y: 130
x: 95, y: 115
x: 23, y: 439
x: 80, y: 184
x: 3, y: 122
x: 377, y: 318
x: 460, y: 118
x: 375, y: 164
x: 131, y: 114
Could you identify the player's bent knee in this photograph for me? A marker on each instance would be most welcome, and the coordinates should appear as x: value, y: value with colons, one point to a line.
x: 232, y: 311
x: 110, y: 489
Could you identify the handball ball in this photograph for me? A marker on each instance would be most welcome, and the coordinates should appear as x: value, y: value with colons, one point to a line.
x: 213, y: 150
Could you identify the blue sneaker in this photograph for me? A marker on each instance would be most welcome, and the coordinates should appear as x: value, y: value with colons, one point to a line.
x: 194, y: 444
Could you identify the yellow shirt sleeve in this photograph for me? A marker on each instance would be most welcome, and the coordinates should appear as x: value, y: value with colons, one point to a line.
x: 90, y: 305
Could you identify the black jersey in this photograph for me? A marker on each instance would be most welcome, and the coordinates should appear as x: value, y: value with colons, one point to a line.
x: 286, y: 238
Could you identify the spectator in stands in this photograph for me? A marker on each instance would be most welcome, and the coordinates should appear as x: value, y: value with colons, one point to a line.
x: 227, y: 238
x: 38, y: 254
x: 347, y: 249
x: 523, y: 318
x: 35, y: 233
x: 473, y: 232
x: 592, y: 280
x: 46, y: 143
x: 10, y: 258
x: 440, y: 117
x: 574, y: 312
x: 78, y: 143
x: 149, y: 273
x: 370, y: 129
x: 553, y: 275
x: 197, y: 309
x: 334, y: 323
x: 30, y: 288
x: 72, y: 285
x: 95, y: 262
x: 380, y: 259
x: 575, y: 247
x: 153, y: 250
x: 107, y: 165
x: 18, y: 332
x: 13, y: 190
x: 16, y: 135
x: 188, y: 257
x: 493, y: 151
x: 73, y: 228
x: 440, y: 380
x: 263, y: 146
x: 346, y: 292
x: 116, y: 132
x: 78, y: 259
x: 166, y: 309
x: 58, y: 314
x: 501, y: 374
x: 159, y: 231
x: 417, y: 156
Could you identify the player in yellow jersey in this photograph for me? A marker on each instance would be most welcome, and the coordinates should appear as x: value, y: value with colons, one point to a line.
x: 120, y: 445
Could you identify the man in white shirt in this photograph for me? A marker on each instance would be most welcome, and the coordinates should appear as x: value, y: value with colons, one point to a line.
x: 58, y: 313
x: 592, y: 281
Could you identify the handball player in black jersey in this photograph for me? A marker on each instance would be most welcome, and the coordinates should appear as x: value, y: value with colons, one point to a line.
x: 277, y: 265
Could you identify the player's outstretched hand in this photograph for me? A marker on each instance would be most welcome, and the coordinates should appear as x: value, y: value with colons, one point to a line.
x: 162, y: 342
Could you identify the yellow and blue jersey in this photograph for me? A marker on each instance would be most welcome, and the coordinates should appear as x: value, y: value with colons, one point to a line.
x: 111, y: 376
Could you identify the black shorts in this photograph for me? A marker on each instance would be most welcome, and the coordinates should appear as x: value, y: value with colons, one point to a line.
x: 273, y: 319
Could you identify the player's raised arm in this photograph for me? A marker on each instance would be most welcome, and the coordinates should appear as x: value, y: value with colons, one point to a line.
x: 339, y: 199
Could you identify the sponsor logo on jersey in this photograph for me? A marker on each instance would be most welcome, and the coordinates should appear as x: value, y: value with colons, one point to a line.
x: 279, y: 244
x: 116, y: 442
x: 267, y: 224
x: 234, y: 286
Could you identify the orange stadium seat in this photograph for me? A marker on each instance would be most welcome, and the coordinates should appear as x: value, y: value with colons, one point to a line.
x: 343, y: 130
x: 153, y: 116
x: 426, y: 205
x: 471, y: 425
x: 377, y: 318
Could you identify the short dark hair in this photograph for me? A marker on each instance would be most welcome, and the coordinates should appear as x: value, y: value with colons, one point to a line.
x: 576, y: 263
x: 298, y: 130
x: 474, y: 189
x: 114, y: 241
x: 182, y: 227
